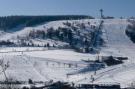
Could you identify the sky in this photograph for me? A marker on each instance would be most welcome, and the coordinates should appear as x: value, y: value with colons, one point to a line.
x: 116, y: 8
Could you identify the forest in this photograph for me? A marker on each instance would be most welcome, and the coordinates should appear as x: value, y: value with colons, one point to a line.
x: 9, y: 22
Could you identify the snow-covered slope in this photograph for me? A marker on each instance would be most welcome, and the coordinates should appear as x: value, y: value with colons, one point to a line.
x: 117, y: 44
x: 56, y: 64
x: 116, y: 39
x: 79, y: 31
x: 122, y: 45
x: 43, y: 65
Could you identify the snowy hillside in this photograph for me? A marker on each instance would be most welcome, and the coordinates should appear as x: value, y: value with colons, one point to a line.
x: 117, y: 44
x: 41, y: 64
x: 75, y: 34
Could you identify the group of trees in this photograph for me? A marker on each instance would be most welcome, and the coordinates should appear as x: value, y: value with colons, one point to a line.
x: 9, y: 22
x: 62, y: 34
x: 29, y: 43
x: 130, y: 31
x: 6, y: 43
x: 79, y: 35
x: 37, y: 34
x: 76, y: 34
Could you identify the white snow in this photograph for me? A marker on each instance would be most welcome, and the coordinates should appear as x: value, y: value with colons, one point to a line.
x: 117, y: 44
x: 41, y: 64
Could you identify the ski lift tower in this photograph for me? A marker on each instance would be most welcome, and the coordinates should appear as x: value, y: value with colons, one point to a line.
x: 101, y: 13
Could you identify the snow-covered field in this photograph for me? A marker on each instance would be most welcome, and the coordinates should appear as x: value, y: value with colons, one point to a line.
x: 43, y: 65
x: 40, y: 64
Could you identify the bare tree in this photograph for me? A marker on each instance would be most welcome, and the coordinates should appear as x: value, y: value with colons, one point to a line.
x: 4, y: 66
x: 9, y: 81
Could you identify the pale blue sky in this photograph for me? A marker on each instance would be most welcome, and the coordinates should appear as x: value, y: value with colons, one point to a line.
x: 115, y: 8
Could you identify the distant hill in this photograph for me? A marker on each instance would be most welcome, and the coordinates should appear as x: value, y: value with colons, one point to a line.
x: 9, y: 22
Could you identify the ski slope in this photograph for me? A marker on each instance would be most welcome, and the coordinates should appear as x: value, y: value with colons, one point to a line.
x: 40, y: 64
x: 117, y: 44
x: 121, y: 44
x: 117, y: 39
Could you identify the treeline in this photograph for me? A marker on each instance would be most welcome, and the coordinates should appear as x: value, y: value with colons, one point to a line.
x: 9, y: 22
x: 6, y: 43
